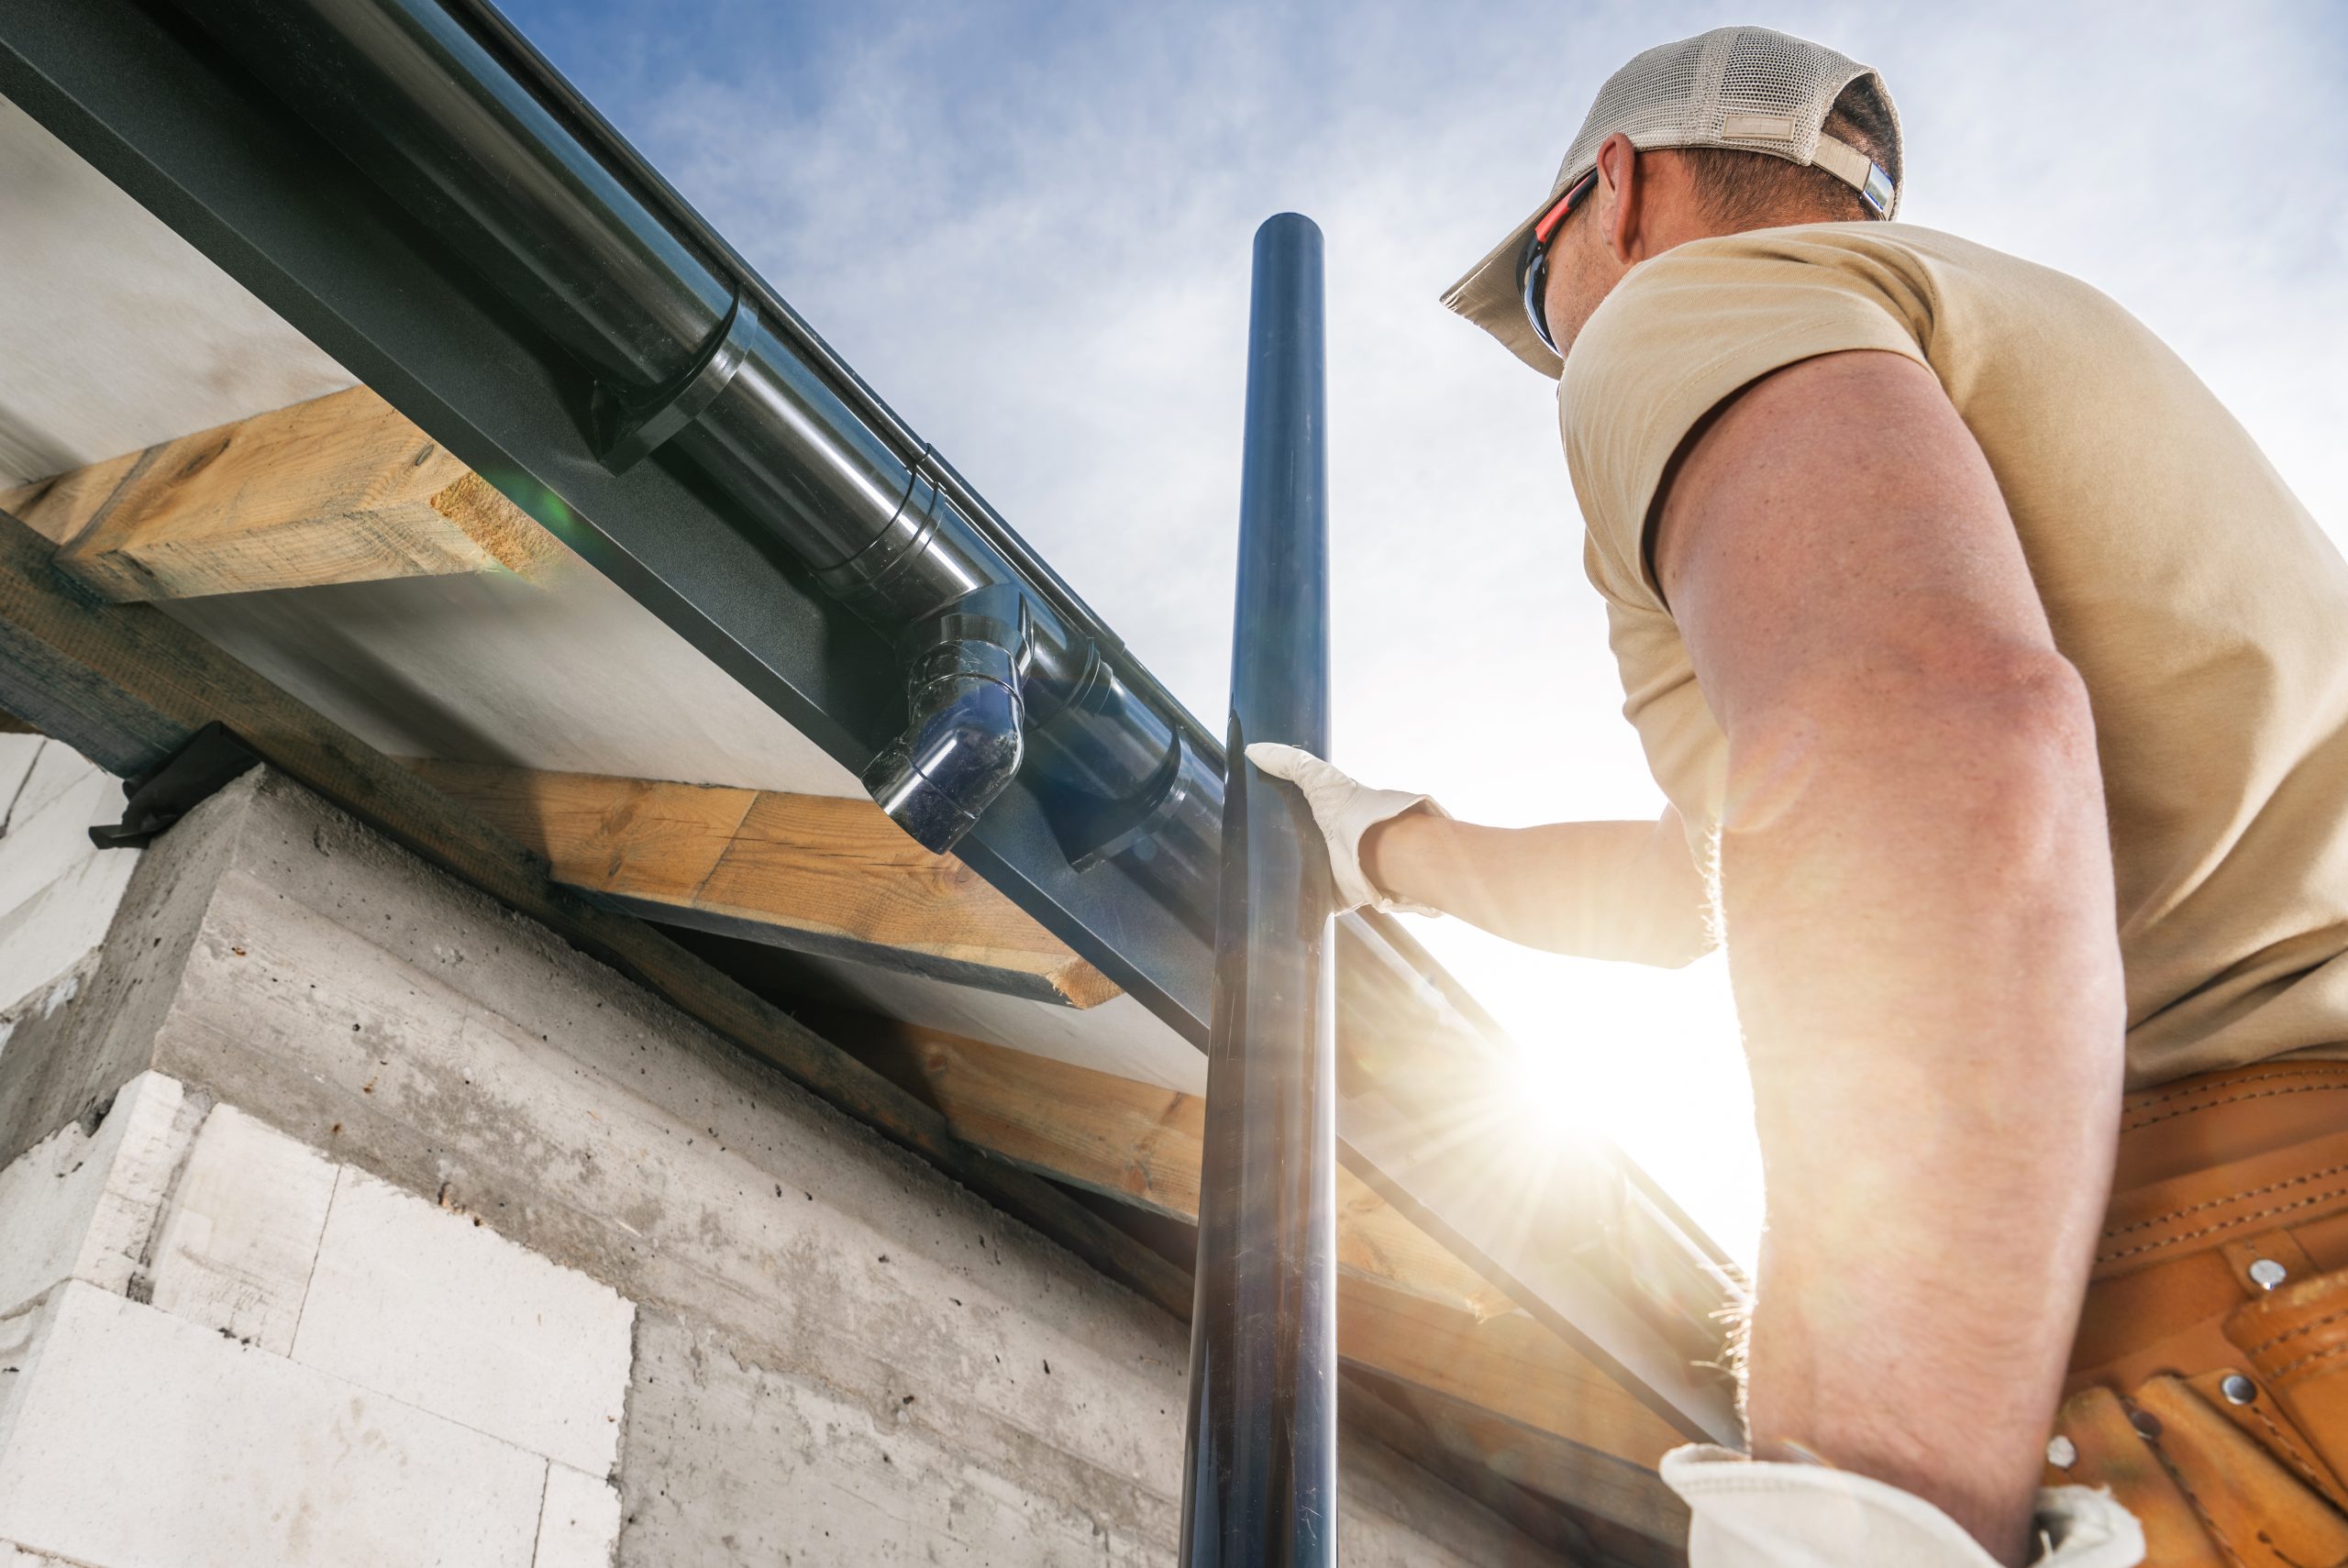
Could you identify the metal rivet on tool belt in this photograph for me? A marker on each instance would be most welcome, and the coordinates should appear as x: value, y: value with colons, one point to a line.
x: 2062, y: 1452
x: 2238, y: 1389
x: 2267, y: 1274
x: 2147, y: 1425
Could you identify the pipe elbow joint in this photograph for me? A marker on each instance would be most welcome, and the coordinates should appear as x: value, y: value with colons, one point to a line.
x: 936, y: 778
x: 967, y: 735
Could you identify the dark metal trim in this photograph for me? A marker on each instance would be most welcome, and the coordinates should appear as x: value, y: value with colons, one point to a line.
x: 213, y: 759
x: 966, y: 973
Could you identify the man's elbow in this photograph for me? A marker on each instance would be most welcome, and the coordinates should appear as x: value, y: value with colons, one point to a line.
x: 1954, y: 810
x: 2017, y: 736
x: 1996, y: 741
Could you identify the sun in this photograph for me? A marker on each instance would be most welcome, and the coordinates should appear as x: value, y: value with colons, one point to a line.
x: 1648, y: 1059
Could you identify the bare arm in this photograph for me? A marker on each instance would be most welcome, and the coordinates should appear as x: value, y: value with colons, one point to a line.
x: 1917, y: 886
x: 1627, y: 891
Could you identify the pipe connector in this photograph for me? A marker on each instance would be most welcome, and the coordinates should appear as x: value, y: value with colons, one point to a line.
x: 968, y: 734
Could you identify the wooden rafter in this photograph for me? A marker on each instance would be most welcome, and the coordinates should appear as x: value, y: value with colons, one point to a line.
x: 1141, y: 1143
x: 340, y: 489
x: 1629, y: 1515
x: 808, y: 872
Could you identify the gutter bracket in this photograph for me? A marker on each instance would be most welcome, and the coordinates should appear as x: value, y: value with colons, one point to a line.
x: 211, y: 760
x: 1091, y: 829
x: 628, y: 430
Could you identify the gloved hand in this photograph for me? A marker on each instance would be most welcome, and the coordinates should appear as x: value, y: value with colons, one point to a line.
x: 1748, y: 1515
x: 1345, y: 811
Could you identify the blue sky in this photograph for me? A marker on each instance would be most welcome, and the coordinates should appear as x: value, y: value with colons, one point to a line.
x: 1028, y: 225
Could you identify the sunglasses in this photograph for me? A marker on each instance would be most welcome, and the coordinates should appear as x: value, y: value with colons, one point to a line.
x: 1533, y: 267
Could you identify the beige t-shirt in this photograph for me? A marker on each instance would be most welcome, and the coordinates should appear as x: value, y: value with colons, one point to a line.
x: 2205, y: 610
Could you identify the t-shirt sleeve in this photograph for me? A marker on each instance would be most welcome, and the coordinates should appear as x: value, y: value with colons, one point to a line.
x: 1685, y: 331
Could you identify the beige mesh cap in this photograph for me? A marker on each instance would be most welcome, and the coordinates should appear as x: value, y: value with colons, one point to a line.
x: 1748, y: 88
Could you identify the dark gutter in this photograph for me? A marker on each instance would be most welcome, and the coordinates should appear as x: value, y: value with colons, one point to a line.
x: 1260, y: 1474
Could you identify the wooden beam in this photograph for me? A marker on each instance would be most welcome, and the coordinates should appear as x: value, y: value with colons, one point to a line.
x: 811, y: 873
x: 1141, y: 1143
x: 340, y: 489
x: 62, y: 505
x: 1406, y: 1307
x: 1370, y: 1408
x: 1509, y: 1365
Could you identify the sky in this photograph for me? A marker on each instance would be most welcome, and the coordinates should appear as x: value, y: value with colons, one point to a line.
x: 1028, y: 225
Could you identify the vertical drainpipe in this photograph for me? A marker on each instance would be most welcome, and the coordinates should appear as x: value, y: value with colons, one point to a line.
x: 1260, y: 1487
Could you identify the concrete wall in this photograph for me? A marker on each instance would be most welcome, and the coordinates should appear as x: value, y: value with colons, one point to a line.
x: 346, y: 1218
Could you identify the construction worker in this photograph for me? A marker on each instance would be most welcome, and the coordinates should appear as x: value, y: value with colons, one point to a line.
x: 2000, y: 689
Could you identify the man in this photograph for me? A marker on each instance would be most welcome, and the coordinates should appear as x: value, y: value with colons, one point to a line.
x: 2000, y: 689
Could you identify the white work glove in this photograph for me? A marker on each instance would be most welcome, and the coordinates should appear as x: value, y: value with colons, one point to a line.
x: 1345, y: 811
x: 1746, y: 1514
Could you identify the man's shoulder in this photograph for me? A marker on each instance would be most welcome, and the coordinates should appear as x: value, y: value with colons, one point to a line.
x: 1707, y: 298
x: 1926, y: 260
x: 1701, y: 299
x: 1832, y: 244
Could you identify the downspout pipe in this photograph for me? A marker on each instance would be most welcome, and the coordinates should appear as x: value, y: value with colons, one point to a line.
x: 686, y: 352
x: 1260, y: 1483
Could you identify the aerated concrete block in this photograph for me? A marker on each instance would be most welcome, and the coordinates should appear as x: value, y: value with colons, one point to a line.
x: 579, y: 1525
x: 44, y: 843
x: 51, y: 931
x: 54, y: 769
x: 237, y: 1245
x: 427, y: 1307
x: 137, y: 1438
x: 82, y: 1203
x: 57, y: 891
x: 14, y: 1556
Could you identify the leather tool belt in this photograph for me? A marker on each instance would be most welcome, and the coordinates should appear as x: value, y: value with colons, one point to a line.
x: 2209, y: 1382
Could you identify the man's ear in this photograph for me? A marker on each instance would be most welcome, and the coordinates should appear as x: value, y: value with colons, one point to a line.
x: 1619, y: 182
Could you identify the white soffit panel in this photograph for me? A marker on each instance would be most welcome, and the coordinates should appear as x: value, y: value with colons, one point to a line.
x: 560, y: 671
x: 115, y: 333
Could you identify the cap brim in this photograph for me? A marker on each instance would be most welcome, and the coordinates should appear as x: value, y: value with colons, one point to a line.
x: 1490, y: 296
